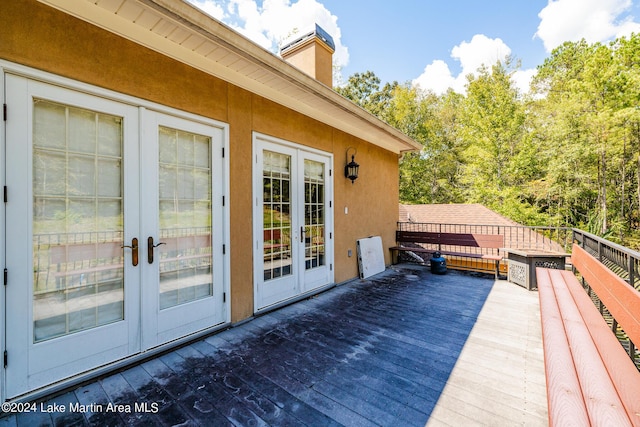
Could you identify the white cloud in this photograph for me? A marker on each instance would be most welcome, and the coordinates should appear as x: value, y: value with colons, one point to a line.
x: 211, y: 7
x: 481, y: 50
x: 437, y: 77
x: 560, y: 21
x: 272, y: 22
x: 522, y: 79
x: 593, y: 20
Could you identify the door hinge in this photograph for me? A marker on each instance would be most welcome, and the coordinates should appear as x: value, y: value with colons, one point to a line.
x: 4, y: 112
x: 224, y: 249
x: 330, y: 172
x: 224, y: 297
x: 6, y: 276
x: 6, y: 358
x: 330, y: 267
x: 6, y: 194
x: 330, y: 203
x: 222, y: 200
x: 223, y: 152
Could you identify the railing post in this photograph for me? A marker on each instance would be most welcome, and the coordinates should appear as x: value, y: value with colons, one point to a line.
x: 600, y: 251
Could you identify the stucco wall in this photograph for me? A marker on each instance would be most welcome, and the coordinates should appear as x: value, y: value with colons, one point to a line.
x: 38, y: 36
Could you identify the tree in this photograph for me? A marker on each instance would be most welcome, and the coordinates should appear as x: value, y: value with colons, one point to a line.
x: 498, y: 157
x: 364, y: 90
x: 585, y: 107
x: 566, y: 155
x: 626, y: 55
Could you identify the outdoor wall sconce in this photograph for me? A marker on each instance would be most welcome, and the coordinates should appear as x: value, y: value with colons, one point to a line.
x: 351, y: 168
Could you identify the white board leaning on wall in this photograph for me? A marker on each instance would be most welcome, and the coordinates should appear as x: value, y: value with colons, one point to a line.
x: 370, y: 256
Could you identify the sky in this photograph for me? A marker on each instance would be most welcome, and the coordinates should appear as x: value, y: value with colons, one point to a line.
x: 433, y: 44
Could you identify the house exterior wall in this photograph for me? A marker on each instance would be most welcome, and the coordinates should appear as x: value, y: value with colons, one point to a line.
x: 38, y: 36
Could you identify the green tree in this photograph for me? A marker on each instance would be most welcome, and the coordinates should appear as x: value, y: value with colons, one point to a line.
x: 364, y: 90
x: 499, y: 157
x: 626, y: 56
x: 568, y: 154
x: 583, y: 115
x: 441, y: 155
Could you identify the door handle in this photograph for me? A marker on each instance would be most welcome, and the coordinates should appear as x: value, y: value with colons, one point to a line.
x: 150, y: 247
x: 134, y: 250
x: 302, y: 234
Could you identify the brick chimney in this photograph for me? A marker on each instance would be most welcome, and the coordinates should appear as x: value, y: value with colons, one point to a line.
x: 312, y: 53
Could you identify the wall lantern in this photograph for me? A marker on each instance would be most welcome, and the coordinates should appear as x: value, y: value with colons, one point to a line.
x: 351, y: 168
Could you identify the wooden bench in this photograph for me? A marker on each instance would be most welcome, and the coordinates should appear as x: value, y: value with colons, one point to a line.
x: 455, y: 243
x: 591, y: 380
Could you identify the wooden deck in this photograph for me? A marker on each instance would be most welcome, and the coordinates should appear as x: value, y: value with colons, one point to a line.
x: 404, y: 348
x: 499, y: 377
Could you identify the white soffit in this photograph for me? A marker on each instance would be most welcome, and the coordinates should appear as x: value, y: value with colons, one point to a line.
x: 181, y: 31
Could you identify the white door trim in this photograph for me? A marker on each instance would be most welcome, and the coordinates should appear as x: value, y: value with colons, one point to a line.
x: 158, y: 326
x: 127, y: 101
x: 38, y: 363
x: 298, y: 154
x: 3, y: 234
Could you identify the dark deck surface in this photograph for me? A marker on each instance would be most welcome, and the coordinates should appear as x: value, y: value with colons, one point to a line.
x: 371, y: 352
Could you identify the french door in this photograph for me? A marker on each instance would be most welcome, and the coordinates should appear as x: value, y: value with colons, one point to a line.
x: 293, y: 221
x: 184, y: 228
x: 114, y: 231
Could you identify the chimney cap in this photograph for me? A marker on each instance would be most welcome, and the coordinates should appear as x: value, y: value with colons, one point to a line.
x: 317, y: 32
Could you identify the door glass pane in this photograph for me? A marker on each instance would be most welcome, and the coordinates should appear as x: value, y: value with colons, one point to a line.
x: 77, y: 220
x: 314, y: 218
x: 186, y: 267
x: 276, y: 179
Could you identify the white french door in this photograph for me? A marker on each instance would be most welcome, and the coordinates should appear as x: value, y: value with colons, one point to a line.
x: 184, y: 228
x: 293, y: 221
x: 114, y: 229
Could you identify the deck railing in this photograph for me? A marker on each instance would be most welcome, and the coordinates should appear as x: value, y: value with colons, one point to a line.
x: 622, y: 261
x: 619, y: 259
x: 626, y: 264
x: 556, y: 239
x: 515, y: 236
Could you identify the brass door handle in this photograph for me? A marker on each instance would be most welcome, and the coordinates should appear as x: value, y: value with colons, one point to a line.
x: 150, y: 247
x: 134, y: 250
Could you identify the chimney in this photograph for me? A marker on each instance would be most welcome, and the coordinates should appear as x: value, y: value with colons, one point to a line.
x: 312, y: 53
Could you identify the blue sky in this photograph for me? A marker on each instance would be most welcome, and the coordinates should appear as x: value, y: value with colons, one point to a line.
x: 431, y: 43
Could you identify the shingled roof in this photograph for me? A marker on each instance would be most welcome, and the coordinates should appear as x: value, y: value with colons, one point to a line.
x: 470, y: 217
x: 453, y: 213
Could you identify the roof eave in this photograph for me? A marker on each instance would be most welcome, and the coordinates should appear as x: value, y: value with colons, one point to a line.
x: 186, y: 34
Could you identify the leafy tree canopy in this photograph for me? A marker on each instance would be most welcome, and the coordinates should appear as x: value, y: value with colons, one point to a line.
x: 565, y: 154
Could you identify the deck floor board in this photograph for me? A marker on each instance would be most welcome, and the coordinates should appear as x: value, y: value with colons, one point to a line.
x: 499, y: 376
x: 404, y: 347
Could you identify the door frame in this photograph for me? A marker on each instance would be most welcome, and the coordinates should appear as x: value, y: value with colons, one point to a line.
x: 270, y: 143
x: 7, y: 67
x: 3, y: 232
x: 31, y: 364
x: 155, y: 323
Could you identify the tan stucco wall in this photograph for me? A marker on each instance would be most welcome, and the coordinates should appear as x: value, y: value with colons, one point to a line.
x: 38, y: 36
